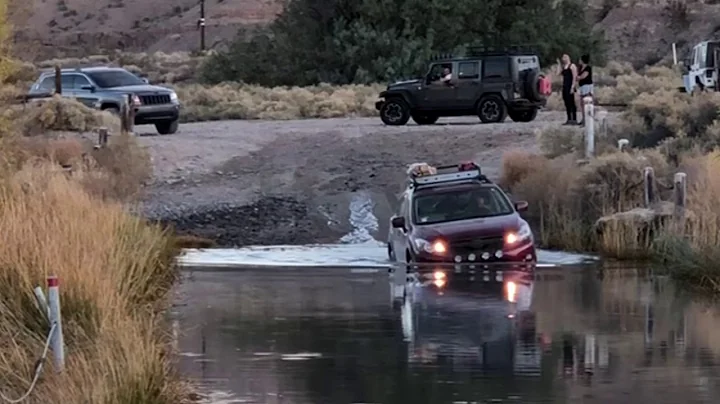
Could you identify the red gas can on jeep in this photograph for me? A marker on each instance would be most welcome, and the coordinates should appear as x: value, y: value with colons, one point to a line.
x: 545, y: 86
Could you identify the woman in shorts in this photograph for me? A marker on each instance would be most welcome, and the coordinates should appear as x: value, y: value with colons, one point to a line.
x: 585, y: 83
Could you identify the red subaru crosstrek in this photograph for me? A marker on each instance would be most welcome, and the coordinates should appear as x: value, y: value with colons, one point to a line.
x: 454, y: 216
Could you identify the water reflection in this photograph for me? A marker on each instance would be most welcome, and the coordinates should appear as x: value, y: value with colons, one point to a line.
x: 560, y: 335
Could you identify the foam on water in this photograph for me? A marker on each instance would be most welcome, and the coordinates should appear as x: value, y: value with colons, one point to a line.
x: 357, y: 249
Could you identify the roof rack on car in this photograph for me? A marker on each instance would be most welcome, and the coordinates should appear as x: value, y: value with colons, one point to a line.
x: 423, y: 174
x: 475, y: 51
x: 442, y: 56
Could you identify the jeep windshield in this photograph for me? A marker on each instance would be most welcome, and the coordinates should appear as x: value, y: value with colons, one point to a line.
x: 460, y: 204
x: 115, y: 78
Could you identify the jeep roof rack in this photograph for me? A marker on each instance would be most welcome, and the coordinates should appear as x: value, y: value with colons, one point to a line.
x: 475, y: 51
x: 462, y: 172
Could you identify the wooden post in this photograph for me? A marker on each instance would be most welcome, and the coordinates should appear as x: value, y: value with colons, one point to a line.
x: 102, y: 137
x: 58, y: 80
x: 127, y: 114
x: 623, y: 145
x: 680, y: 194
x: 603, y: 125
x: 131, y: 114
x: 649, y: 186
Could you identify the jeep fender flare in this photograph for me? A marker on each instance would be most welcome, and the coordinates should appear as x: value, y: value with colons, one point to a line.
x: 404, y: 95
x: 502, y: 95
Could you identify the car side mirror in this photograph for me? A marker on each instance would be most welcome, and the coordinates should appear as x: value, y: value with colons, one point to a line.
x: 145, y: 80
x: 88, y: 87
x: 521, y: 206
x: 398, y: 222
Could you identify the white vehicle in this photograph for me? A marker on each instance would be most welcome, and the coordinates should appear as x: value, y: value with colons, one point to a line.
x: 702, y: 69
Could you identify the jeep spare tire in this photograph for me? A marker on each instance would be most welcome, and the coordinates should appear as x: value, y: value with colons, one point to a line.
x: 491, y: 109
x: 424, y: 119
x: 532, y: 86
x: 395, y: 112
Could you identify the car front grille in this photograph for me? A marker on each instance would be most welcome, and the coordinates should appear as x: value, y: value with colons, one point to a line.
x: 155, y: 99
x: 477, y: 249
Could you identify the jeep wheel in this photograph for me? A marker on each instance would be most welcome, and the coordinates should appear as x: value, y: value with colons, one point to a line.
x: 424, y: 119
x: 167, y: 127
x: 395, y: 112
x: 492, y: 109
x: 523, y: 115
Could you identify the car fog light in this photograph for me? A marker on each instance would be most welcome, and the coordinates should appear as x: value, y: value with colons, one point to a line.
x: 486, y: 255
x: 458, y: 258
x: 471, y: 257
x: 498, y: 254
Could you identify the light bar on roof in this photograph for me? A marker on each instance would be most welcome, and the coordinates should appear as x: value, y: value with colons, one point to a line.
x: 439, y: 178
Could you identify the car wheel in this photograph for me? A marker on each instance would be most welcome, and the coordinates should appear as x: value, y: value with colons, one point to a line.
x: 167, y: 127
x: 395, y: 112
x: 523, y: 115
x: 492, y: 109
x: 424, y: 119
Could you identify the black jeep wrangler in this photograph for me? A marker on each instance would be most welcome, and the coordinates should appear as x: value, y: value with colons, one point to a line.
x: 489, y: 82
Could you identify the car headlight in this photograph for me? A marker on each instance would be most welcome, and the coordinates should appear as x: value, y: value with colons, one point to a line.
x: 522, y: 234
x: 174, y: 98
x: 434, y: 247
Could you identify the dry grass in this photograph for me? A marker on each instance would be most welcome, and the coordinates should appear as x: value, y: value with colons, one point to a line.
x: 114, y: 270
x: 566, y: 199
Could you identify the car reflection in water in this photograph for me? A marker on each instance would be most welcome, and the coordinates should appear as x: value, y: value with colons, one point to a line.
x: 486, y: 324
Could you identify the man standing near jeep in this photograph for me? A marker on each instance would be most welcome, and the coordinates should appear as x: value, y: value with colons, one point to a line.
x: 568, y: 71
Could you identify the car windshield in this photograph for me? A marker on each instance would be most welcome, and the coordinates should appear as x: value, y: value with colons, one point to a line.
x: 115, y: 78
x: 473, y: 203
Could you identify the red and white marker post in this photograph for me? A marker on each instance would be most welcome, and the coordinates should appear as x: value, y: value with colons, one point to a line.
x: 57, y: 343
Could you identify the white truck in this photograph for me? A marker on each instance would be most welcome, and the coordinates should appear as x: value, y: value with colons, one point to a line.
x: 701, y: 67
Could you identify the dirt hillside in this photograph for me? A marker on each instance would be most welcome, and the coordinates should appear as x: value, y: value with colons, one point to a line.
x: 638, y: 31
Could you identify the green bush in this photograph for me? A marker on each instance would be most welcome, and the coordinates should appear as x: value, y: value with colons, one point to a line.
x: 371, y: 41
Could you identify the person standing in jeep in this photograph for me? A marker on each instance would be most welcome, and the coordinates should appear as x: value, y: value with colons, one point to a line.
x: 568, y: 71
x: 585, y: 82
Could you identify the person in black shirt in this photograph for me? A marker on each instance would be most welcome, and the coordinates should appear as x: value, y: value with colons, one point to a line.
x: 568, y: 71
x: 585, y: 82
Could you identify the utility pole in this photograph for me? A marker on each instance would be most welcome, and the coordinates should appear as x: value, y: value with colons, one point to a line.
x: 201, y: 25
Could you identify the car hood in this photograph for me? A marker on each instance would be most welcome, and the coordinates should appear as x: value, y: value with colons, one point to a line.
x: 141, y: 88
x: 495, y: 226
x: 403, y: 84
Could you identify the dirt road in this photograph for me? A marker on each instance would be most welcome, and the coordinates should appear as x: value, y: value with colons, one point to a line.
x: 290, y: 182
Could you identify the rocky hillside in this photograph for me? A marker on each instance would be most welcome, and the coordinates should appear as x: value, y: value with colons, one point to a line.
x: 638, y: 31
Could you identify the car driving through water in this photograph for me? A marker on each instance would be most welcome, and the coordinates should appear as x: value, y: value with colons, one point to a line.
x: 454, y: 215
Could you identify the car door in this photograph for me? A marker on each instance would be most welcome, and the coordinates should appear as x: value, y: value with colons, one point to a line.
x: 83, y: 90
x: 67, y: 85
x: 467, y: 89
x: 695, y: 72
x: 437, y: 95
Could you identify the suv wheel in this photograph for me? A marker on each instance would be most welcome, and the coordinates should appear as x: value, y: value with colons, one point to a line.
x: 167, y: 127
x: 523, y: 115
x: 492, y: 109
x: 424, y: 119
x: 395, y: 112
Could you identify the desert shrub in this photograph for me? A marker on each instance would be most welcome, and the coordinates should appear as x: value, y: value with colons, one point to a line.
x: 239, y: 101
x: 654, y: 118
x: 566, y: 200
x: 59, y: 114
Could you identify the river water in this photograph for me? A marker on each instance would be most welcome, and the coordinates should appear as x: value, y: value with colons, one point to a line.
x: 569, y: 334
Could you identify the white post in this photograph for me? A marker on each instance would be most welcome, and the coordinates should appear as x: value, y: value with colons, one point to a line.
x: 674, y: 50
x: 680, y: 194
x: 589, y: 127
x: 57, y: 342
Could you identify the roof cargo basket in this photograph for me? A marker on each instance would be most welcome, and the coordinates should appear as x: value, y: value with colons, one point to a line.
x: 475, y: 51
x: 422, y: 174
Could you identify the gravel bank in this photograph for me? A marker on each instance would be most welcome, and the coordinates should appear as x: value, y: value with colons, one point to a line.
x: 290, y: 182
